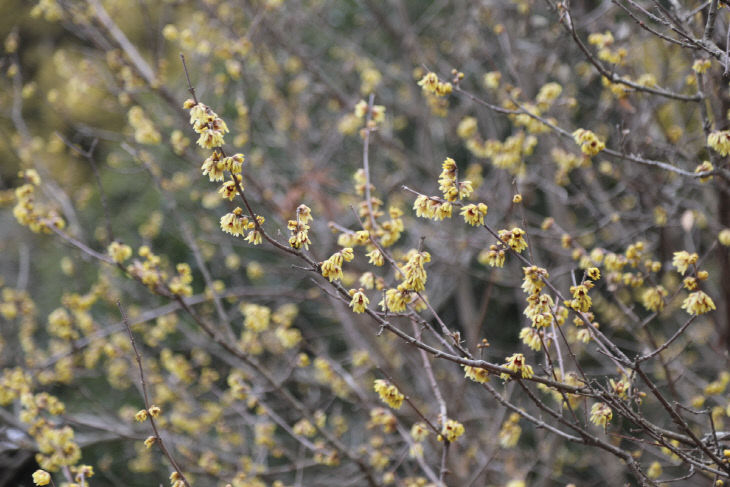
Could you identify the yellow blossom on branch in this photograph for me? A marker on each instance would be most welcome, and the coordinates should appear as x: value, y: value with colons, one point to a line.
x: 601, y: 414
x: 360, y: 301
x: 719, y: 141
x: 477, y: 374
x: 698, y: 303
x: 474, y: 214
x: 516, y: 363
x: 451, y: 430
x: 683, y: 259
x: 515, y: 238
x: 589, y: 143
x: 389, y: 393
x: 41, y: 477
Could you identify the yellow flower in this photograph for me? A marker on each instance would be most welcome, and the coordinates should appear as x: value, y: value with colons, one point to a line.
x: 653, y: 298
x: 494, y: 257
x: 389, y: 393
x: 533, y: 281
x: 654, y: 470
x: 589, y: 143
x: 155, y: 411
x: 235, y: 222
x: 719, y: 141
x: 684, y: 259
x: 516, y: 363
x: 419, y: 432
x: 150, y: 441
x: 429, y: 82
x: 724, y: 237
x: 701, y: 65
x: 415, y: 275
x: 375, y: 257
x: 581, y: 301
x: 706, y: 166
x: 141, y: 415
x: 510, y: 432
x: 359, y: 300
x: 620, y: 387
x: 451, y: 430
x: 396, y: 300
x: 601, y: 414
x: 474, y: 214
x: 477, y: 374
x: 531, y: 338
x: 41, y: 477
x: 119, y: 252
x: 467, y: 127
x: 332, y: 267
x: 515, y: 238
x: 698, y: 303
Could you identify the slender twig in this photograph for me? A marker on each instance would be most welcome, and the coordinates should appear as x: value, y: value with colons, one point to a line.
x: 147, y: 403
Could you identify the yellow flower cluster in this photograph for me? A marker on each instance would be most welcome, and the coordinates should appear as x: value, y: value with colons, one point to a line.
x: 377, y: 113
x: 434, y: 208
x: 389, y: 393
x: 375, y: 257
x: 705, y: 166
x: 360, y: 301
x: 430, y: 84
x: 494, y: 257
x: 216, y: 165
x: 653, y: 298
x: 515, y: 238
x: 698, y: 303
x: 451, y: 430
x: 601, y: 414
x: 148, y: 271
x: 719, y: 141
x: 180, y: 284
x: 415, y: 274
x: 396, y: 300
x: 474, y: 214
x: 57, y: 447
x: 548, y: 93
x: 332, y: 267
x: 235, y: 222
x: 620, y: 387
x: 724, y: 237
x: 41, y: 477
x: 566, y: 162
x: 28, y: 212
x: 533, y: 281
x: 477, y: 374
x: 383, y: 418
x: 390, y: 230
x: 257, y: 317
x: 207, y: 123
x: 539, y: 306
x: 516, y: 363
x: 683, y: 259
x: 603, y: 41
x: 299, y: 228
x: 701, y: 66
x: 589, y: 143
x: 419, y: 432
x: 449, y: 185
x: 144, y: 130
x: 510, y: 432
x: 581, y: 300
x: 532, y: 337
x: 119, y: 252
